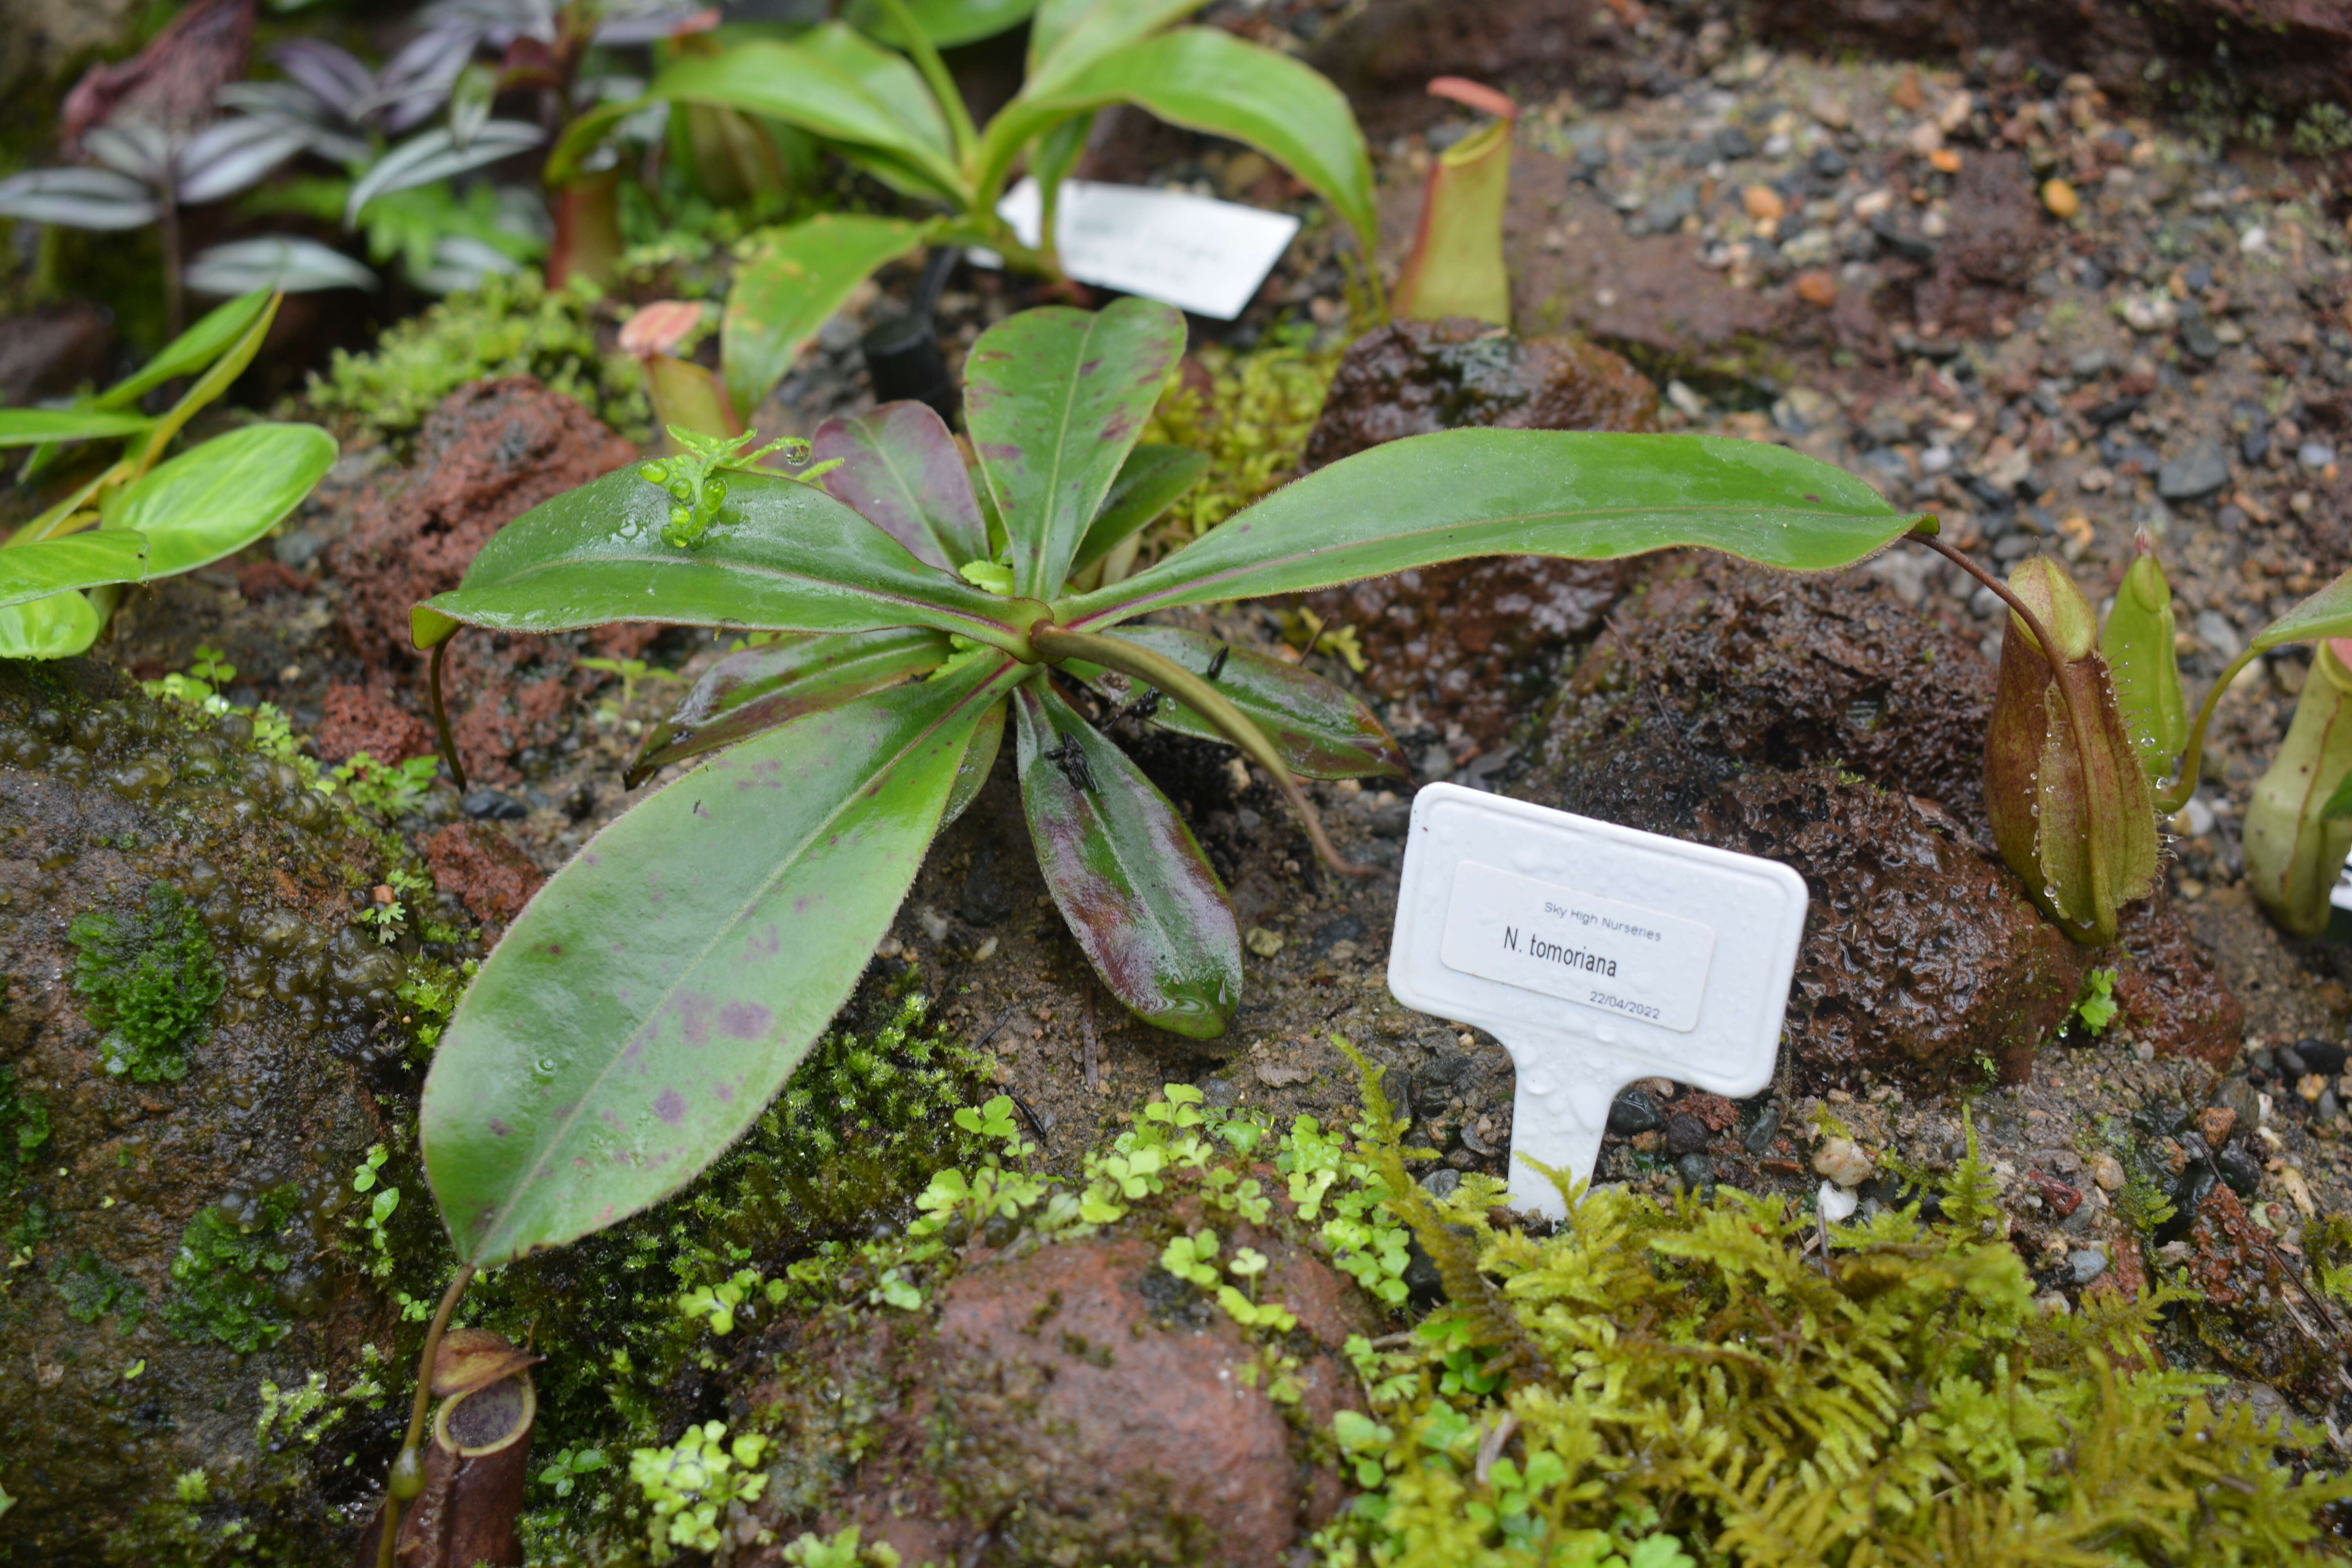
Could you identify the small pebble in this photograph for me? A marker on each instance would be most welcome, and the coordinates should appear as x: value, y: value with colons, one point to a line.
x: 1698, y: 1174
x: 1843, y: 1162
x: 1262, y: 943
x: 488, y: 805
x: 2214, y: 1122
x: 2108, y: 1171
x: 2311, y: 1086
x: 2085, y: 1266
x: 1440, y: 1184
x: 1634, y: 1112
x: 2059, y: 199
x: 1763, y: 204
x: 2314, y: 454
x: 1818, y: 288
x: 1836, y: 1203
x: 1686, y: 1133
x: 1758, y: 1138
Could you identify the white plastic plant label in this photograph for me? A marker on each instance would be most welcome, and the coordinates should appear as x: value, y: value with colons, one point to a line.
x: 1597, y: 955
x: 1192, y: 252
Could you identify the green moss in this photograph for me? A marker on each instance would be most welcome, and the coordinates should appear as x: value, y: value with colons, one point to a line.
x: 1253, y: 424
x: 854, y: 1137
x: 92, y: 1288
x: 151, y: 980
x: 23, y: 1128
x: 510, y: 326
x: 225, y: 1278
x: 1685, y: 1373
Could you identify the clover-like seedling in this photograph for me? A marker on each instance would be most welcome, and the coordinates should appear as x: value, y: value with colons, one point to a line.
x: 696, y: 478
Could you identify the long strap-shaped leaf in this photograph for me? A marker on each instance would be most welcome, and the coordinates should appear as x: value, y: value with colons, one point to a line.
x: 1321, y: 731
x: 1206, y: 79
x: 803, y: 87
x: 901, y: 471
x: 782, y: 557
x: 663, y: 985
x: 1055, y: 399
x: 750, y: 692
x: 1461, y: 493
x: 1127, y: 873
x: 793, y: 283
x: 46, y: 566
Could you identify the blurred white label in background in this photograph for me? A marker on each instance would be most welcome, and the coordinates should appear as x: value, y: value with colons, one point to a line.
x: 1195, y: 253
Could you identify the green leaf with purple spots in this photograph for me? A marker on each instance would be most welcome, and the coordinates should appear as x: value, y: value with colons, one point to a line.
x: 1055, y: 400
x: 749, y: 692
x: 1460, y: 493
x: 1126, y: 874
x: 902, y: 471
x: 781, y: 557
x: 1321, y: 731
x: 661, y: 987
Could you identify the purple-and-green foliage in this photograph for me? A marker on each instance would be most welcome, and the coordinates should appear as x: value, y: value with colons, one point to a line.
x: 664, y: 985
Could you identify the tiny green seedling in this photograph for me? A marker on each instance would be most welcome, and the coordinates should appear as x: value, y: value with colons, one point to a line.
x: 696, y: 478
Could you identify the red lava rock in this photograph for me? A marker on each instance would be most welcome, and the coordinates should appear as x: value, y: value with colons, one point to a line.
x: 489, y: 453
x: 484, y: 868
x: 2062, y: 1199
x: 1474, y: 640
x: 260, y: 579
x: 353, y: 719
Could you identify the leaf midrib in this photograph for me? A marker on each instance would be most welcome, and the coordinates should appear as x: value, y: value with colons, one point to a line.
x: 564, y: 1130
x: 962, y: 617
x: 1126, y: 608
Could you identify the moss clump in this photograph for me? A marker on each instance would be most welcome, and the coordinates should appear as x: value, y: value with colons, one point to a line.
x: 856, y: 1134
x: 226, y: 1276
x: 1254, y: 422
x: 152, y: 979
x: 23, y: 1128
x: 92, y: 1288
x: 1687, y: 1373
x: 510, y: 326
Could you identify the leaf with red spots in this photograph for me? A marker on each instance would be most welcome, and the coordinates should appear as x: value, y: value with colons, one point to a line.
x: 662, y: 986
x: 1126, y: 874
x: 1055, y: 400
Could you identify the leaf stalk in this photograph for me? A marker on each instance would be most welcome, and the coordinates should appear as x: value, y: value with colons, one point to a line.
x: 1143, y: 664
x: 407, y: 1460
x: 441, y: 717
x: 2032, y: 623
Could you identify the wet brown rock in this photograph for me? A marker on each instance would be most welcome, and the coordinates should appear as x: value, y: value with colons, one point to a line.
x: 1095, y: 1411
x: 104, y: 793
x: 1384, y: 55
x: 2169, y: 988
x: 50, y: 352
x: 484, y: 868
x: 489, y: 453
x: 1783, y: 668
x: 1412, y: 377
x: 2284, y: 54
x: 355, y: 718
x: 1818, y: 721
x: 1996, y: 231
x: 1473, y: 641
x: 2241, y: 1279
